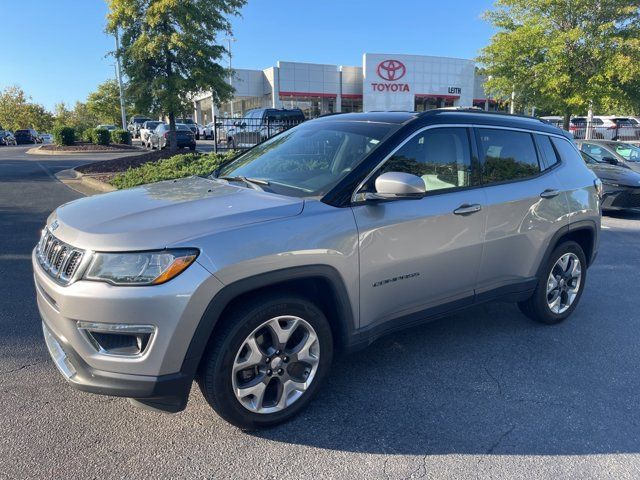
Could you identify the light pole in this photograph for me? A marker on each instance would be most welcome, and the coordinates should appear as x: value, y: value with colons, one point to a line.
x: 229, y: 40
x: 123, y: 113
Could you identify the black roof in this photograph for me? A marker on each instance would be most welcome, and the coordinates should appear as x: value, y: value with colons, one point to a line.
x: 459, y: 116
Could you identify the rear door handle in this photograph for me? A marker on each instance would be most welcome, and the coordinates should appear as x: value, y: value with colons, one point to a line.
x: 466, y: 209
x: 550, y: 193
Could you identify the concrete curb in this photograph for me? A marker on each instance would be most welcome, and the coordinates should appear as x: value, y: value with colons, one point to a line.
x: 85, y: 184
x: 37, y: 151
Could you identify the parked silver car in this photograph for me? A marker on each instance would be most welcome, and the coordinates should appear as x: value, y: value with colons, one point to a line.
x: 318, y: 240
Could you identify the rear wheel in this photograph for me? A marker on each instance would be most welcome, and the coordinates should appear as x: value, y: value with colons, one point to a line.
x: 267, y: 362
x: 560, y: 285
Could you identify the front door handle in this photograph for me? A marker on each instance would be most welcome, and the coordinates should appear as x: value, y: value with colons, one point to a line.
x: 466, y: 209
x: 550, y: 193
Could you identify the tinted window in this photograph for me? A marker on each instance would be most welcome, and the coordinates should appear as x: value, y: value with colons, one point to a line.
x: 567, y: 150
x: 440, y: 156
x: 548, y: 152
x: 508, y: 155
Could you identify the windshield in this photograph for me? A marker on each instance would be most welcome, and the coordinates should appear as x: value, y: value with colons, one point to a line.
x: 629, y: 152
x: 310, y: 159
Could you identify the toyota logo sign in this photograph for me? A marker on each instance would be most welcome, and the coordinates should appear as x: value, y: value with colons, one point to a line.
x: 391, y: 70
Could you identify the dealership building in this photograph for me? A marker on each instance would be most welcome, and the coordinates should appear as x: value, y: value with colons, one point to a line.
x: 383, y: 82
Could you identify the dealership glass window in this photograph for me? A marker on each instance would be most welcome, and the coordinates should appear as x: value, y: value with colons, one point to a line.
x: 422, y: 104
x: 240, y: 105
x: 440, y: 156
x: 351, y: 105
x: 311, y: 106
x: 508, y: 155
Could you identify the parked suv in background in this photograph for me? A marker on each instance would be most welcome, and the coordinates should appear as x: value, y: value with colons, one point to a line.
x: 261, y: 123
x: 26, y: 135
x: 7, y: 138
x: 135, y: 124
x: 146, y: 130
x: 320, y: 239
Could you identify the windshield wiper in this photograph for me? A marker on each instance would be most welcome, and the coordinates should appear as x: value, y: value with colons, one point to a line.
x: 252, y: 182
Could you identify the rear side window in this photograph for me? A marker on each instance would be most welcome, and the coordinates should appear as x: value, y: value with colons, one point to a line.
x: 507, y: 155
x: 596, y: 151
x: 548, y: 152
x: 567, y: 151
x: 440, y: 156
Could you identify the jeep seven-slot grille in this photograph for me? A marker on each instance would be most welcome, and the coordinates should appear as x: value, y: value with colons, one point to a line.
x: 58, y: 259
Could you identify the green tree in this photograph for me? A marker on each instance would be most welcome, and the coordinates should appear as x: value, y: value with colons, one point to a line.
x: 18, y: 111
x: 560, y: 55
x: 169, y: 51
x: 104, y: 103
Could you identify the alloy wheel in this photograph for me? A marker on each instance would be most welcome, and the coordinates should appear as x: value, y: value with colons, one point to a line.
x: 564, y: 283
x: 275, y: 364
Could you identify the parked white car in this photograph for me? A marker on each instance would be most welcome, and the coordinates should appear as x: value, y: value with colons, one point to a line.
x: 111, y: 128
x: 606, y: 127
x: 46, y: 137
x: 145, y: 132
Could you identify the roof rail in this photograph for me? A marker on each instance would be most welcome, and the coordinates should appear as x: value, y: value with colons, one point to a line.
x: 437, y: 111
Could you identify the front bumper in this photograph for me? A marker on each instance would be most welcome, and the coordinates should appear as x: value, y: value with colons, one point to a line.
x: 168, y: 393
x: 620, y: 198
x: 157, y: 376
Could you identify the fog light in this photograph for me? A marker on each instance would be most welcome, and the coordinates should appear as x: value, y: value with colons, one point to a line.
x: 118, y: 338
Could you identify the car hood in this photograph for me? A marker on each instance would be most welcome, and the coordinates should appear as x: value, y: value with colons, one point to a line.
x: 615, y: 174
x: 164, y: 214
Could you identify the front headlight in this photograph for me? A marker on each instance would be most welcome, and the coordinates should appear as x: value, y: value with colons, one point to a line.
x: 139, y: 268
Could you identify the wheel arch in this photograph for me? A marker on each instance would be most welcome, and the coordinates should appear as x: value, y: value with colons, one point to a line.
x: 584, y: 233
x: 321, y: 284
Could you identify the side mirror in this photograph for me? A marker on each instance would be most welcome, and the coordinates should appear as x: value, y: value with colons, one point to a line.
x: 397, y: 185
x: 611, y: 160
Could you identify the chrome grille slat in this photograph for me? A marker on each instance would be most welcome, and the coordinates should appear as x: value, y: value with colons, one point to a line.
x: 59, y: 259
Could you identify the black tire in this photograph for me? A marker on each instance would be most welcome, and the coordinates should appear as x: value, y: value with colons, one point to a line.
x: 536, y: 307
x: 215, y: 373
x: 192, y: 147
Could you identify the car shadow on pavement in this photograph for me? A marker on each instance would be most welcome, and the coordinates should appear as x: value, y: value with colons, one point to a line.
x: 484, y: 381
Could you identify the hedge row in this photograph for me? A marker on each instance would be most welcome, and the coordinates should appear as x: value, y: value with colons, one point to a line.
x: 178, y: 166
x: 100, y: 136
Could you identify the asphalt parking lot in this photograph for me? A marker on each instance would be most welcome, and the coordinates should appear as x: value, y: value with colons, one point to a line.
x: 481, y: 394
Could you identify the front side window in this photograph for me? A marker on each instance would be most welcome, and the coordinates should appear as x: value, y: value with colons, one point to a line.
x: 596, y: 151
x: 310, y: 159
x: 440, y: 156
x: 508, y: 155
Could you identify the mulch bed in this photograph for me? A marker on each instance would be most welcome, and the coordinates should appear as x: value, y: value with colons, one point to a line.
x: 88, y: 147
x: 106, y: 169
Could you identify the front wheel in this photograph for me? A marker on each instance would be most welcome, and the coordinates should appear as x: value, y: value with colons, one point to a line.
x: 560, y: 285
x: 267, y: 362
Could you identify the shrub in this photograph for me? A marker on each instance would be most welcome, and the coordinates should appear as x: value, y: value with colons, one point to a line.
x: 89, y: 135
x: 121, y: 136
x: 178, y: 166
x: 64, y: 135
x: 103, y: 136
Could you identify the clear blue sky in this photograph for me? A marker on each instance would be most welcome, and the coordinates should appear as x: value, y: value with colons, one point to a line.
x: 55, y: 49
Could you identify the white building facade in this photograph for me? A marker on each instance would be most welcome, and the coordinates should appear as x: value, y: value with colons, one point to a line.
x: 384, y: 82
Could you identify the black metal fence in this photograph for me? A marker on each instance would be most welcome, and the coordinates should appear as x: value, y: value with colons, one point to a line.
x: 622, y: 131
x: 243, y: 133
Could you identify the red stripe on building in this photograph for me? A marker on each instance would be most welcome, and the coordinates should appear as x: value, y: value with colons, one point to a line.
x: 307, y: 94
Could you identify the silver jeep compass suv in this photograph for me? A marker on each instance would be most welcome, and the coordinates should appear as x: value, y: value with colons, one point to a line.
x: 315, y: 241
